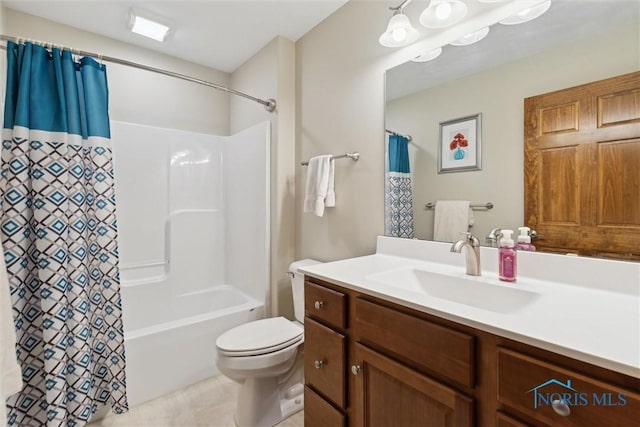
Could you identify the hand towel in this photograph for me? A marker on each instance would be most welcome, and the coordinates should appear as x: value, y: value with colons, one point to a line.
x: 330, y: 200
x: 317, y: 184
x: 451, y: 218
x: 10, y: 372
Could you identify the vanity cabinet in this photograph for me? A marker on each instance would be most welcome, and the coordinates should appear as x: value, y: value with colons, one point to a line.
x: 370, y: 362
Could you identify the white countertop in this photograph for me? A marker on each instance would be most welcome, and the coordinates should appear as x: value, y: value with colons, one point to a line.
x: 585, y: 308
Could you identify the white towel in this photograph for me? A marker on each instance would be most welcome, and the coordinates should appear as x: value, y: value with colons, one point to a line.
x: 10, y: 373
x: 451, y: 218
x: 317, y: 187
x: 330, y: 200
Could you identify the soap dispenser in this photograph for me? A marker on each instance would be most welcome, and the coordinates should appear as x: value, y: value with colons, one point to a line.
x: 524, y: 240
x: 507, y: 263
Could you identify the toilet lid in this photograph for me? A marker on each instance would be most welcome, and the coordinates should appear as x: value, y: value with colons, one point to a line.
x: 259, y: 337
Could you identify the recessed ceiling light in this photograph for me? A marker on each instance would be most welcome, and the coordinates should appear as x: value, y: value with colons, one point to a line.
x: 145, y: 25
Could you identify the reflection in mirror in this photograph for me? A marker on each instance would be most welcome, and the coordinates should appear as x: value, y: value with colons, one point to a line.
x: 572, y: 44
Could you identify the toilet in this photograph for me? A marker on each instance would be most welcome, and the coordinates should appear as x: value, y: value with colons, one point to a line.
x: 265, y: 357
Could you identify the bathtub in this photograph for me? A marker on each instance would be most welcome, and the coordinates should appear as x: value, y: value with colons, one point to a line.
x: 170, y: 343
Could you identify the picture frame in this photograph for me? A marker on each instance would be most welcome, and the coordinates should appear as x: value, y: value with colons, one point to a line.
x: 459, y: 144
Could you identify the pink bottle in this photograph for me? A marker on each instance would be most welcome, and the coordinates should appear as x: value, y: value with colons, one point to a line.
x: 524, y: 240
x: 507, y: 261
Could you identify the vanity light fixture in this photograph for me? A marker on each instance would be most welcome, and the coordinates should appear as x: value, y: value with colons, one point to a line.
x: 471, y: 38
x: 443, y: 13
x: 144, y: 24
x: 536, y: 9
x: 429, y: 56
x: 399, y: 32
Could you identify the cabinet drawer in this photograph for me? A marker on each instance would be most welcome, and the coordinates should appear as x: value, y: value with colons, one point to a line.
x: 530, y: 386
x: 324, y: 361
x: 325, y: 304
x: 439, y: 349
x: 319, y: 413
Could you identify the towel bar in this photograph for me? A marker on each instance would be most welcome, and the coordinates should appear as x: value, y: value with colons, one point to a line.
x: 474, y: 206
x: 352, y: 156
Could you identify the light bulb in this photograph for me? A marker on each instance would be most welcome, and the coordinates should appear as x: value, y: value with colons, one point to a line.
x: 399, y: 34
x: 443, y: 11
x: 525, y: 12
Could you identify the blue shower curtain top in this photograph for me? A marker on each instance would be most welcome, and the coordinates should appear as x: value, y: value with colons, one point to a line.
x: 45, y: 93
x: 398, y: 154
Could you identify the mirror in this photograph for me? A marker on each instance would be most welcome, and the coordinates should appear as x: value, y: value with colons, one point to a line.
x: 572, y: 44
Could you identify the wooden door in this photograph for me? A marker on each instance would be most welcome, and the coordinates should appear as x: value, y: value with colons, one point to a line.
x: 389, y: 394
x: 582, y: 168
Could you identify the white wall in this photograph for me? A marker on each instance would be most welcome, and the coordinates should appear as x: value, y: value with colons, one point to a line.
x: 139, y: 96
x: 498, y: 94
x: 340, y: 97
x: 271, y: 74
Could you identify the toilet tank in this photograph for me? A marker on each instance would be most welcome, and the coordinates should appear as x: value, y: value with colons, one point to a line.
x: 297, y: 285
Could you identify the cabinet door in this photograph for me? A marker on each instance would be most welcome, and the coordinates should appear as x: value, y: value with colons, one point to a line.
x: 389, y: 394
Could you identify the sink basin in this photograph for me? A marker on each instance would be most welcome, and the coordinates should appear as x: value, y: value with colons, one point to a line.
x: 462, y: 290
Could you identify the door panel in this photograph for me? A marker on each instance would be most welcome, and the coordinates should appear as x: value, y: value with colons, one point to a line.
x: 582, y: 168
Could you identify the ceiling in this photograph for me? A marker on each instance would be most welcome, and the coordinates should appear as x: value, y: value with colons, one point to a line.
x: 223, y: 34
x: 220, y: 34
x: 565, y: 21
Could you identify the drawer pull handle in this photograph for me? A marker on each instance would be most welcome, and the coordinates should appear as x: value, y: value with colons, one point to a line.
x: 318, y: 363
x: 355, y: 369
x: 561, y: 408
x: 318, y: 304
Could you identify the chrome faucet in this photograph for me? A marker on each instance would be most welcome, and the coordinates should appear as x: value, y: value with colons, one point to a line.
x: 493, y: 238
x: 472, y: 256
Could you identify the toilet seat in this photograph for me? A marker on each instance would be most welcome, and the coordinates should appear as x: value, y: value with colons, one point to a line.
x: 259, y: 337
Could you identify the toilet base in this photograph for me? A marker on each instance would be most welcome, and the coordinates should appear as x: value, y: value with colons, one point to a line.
x: 264, y: 402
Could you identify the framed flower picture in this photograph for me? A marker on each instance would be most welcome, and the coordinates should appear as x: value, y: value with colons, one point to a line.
x: 459, y: 144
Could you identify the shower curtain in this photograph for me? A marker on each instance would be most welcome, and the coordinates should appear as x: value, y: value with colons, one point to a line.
x: 398, y: 194
x: 59, y: 236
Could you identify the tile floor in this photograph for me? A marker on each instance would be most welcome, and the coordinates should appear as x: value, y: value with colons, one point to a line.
x: 209, y: 403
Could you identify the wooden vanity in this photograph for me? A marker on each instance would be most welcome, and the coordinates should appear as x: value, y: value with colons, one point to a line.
x: 371, y: 362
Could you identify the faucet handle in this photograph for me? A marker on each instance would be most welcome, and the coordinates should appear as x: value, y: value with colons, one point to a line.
x: 471, y: 238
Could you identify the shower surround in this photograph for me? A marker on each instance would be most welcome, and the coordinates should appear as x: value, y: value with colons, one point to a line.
x: 193, y: 215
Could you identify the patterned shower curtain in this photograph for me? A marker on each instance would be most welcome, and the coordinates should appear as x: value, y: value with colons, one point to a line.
x: 59, y: 237
x: 398, y: 218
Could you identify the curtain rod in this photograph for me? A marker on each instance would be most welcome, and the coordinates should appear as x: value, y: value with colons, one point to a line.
x: 398, y: 134
x: 269, y: 104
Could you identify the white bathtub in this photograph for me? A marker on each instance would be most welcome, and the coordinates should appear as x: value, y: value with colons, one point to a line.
x: 170, y: 343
